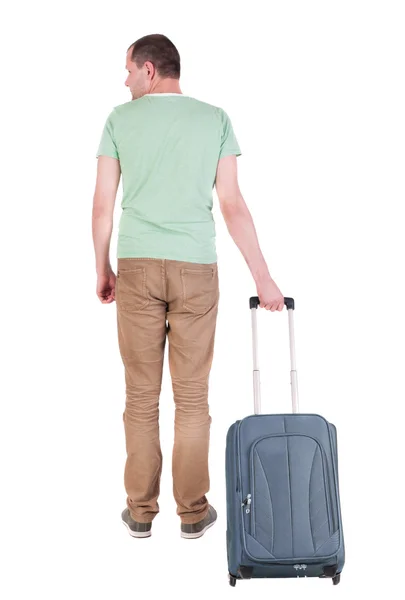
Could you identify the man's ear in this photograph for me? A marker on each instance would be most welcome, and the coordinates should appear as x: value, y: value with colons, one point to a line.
x: 150, y: 69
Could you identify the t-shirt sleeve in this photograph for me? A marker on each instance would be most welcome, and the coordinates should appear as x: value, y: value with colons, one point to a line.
x: 229, y: 143
x: 107, y: 145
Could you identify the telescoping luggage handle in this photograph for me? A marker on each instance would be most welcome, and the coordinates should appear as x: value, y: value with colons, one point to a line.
x: 254, y: 302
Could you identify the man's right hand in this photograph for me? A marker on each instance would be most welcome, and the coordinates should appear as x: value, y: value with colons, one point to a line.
x: 269, y: 295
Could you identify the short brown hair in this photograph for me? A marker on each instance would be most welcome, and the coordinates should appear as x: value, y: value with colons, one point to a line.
x: 160, y: 51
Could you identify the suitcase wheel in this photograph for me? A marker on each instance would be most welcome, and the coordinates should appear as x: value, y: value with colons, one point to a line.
x: 232, y: 580
x: 336, y: 579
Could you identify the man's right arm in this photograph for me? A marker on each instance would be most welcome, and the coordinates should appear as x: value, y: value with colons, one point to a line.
x: 242, y: 230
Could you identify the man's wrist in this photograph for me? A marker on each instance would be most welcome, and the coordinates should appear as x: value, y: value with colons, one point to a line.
x: 262, y: 275
x: 103, y: 270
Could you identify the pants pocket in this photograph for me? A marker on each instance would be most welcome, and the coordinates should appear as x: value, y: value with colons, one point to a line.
x: 200, y: 289
x: 130, y: 291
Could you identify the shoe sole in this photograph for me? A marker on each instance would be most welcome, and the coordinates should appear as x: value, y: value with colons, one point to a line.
x: 193, y: 536
x: 137, y: 534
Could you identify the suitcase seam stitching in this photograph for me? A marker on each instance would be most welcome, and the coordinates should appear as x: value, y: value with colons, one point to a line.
x: 271, y: 504
x: 290, y: 495
x: 309, y: 495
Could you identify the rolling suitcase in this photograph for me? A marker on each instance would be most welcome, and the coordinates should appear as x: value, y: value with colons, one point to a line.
x: 282, y: 489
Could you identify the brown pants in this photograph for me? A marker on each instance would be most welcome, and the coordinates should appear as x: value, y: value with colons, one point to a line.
x: 155, y: 298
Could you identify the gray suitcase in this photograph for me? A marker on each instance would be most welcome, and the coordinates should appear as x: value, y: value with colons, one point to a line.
x: 282, y: 489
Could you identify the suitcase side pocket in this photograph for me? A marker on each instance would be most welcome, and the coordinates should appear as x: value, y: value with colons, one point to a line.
x: 291, y: 513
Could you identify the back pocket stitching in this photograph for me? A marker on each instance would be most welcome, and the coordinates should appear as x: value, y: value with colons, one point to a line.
x: 184, y: 271
x: 127, y: 306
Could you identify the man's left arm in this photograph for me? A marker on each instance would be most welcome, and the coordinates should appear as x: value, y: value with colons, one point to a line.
x: 108, y: 178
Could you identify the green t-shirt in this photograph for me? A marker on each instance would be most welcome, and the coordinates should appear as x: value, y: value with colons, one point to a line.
x: 168, y: 146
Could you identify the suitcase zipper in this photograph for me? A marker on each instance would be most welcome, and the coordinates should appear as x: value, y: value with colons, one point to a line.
x: 247, y: 502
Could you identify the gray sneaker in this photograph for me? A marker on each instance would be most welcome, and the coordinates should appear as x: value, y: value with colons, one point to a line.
x: 138, y: 530
x: 196, y: 530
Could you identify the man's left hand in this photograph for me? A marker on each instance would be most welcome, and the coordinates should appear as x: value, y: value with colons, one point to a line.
x: 106, y: 287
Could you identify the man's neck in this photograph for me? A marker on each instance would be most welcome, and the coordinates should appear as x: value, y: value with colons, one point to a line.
x: 166, y: 86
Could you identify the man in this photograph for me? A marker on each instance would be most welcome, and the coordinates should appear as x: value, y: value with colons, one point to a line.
x: 171, y: 149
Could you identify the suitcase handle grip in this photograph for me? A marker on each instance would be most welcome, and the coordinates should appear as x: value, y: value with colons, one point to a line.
x: 254, y: 302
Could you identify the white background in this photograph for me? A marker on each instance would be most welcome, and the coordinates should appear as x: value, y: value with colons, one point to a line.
x: 315, y: 91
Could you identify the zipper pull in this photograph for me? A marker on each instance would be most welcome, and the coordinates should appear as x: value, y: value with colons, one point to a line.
x: 247, y: 502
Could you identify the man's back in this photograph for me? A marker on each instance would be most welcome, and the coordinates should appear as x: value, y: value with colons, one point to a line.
x: 168, y: 146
